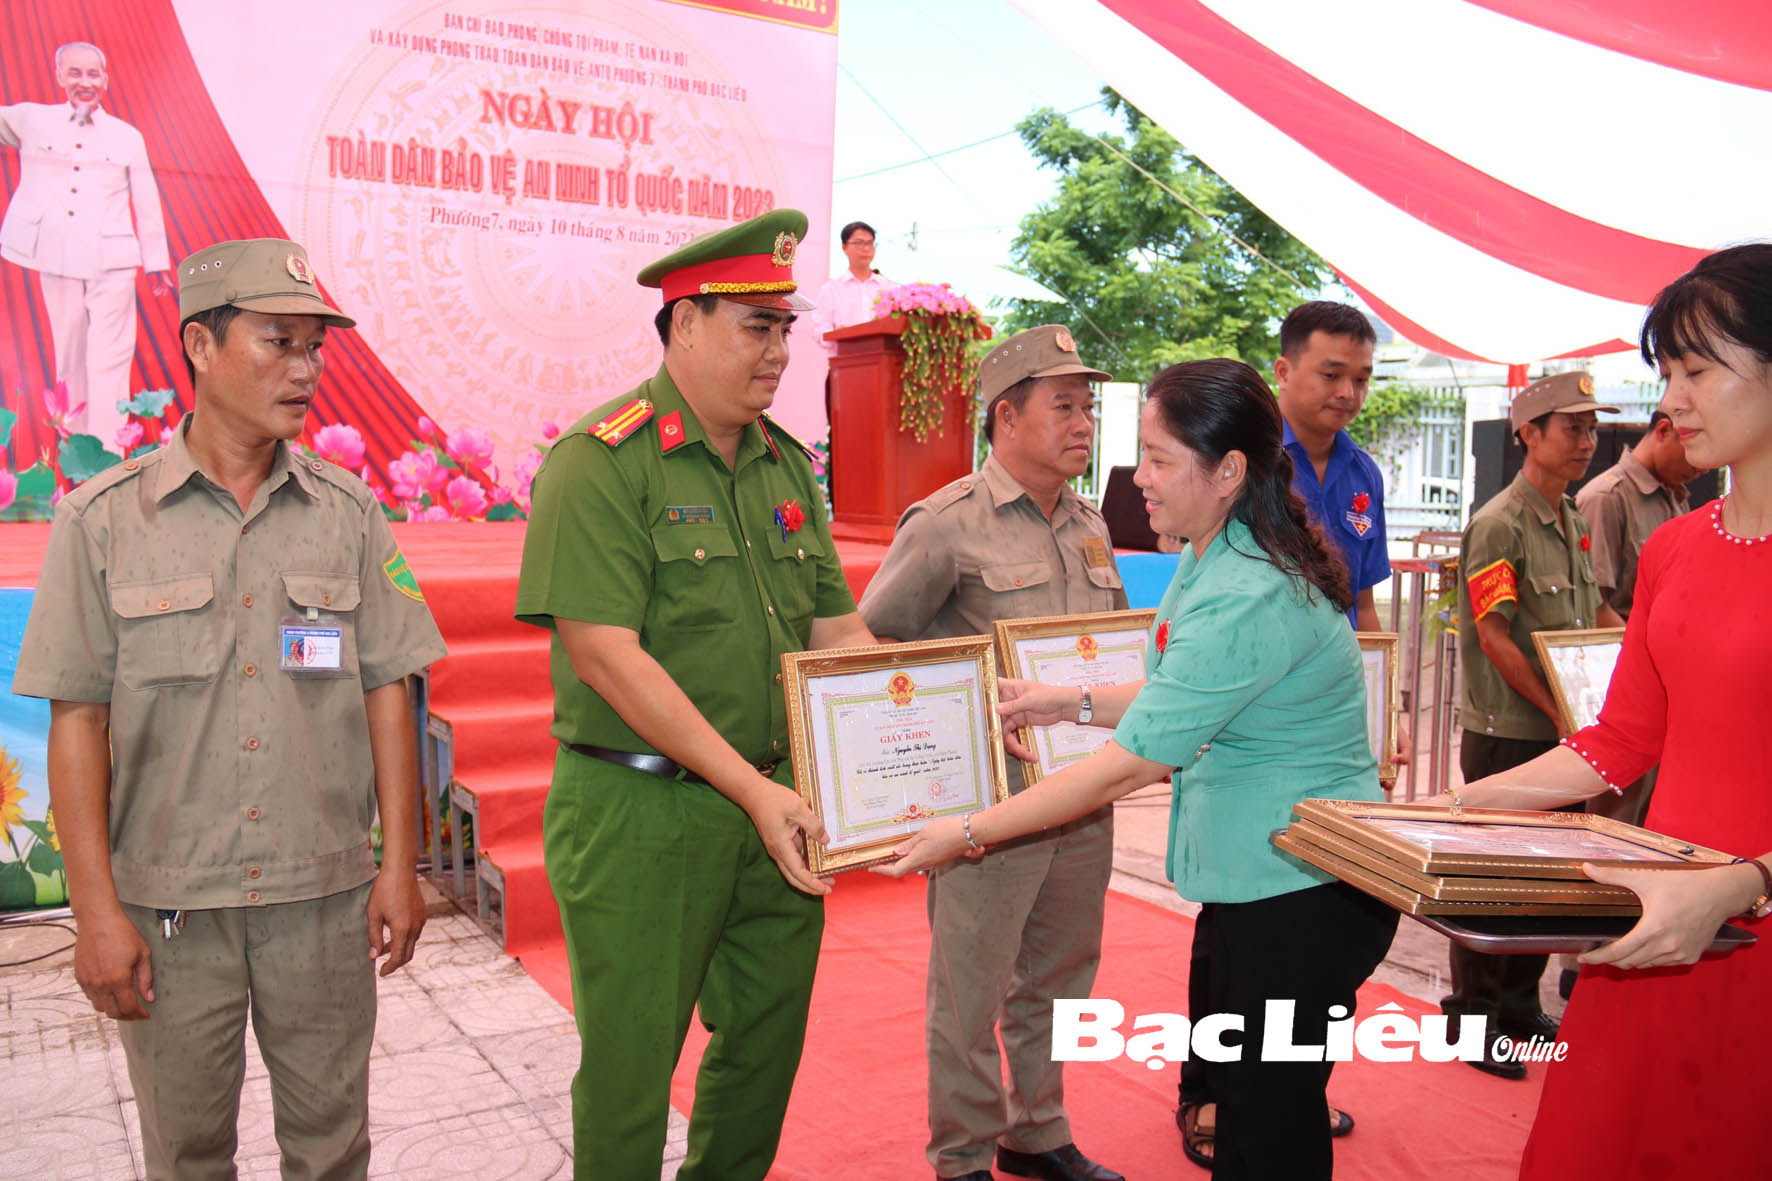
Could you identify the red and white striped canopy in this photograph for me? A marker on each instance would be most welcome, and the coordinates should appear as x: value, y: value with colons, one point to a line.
x: 1501, y: 180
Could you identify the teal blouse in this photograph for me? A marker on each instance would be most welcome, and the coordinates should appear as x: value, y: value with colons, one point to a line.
x: 1257, y: 701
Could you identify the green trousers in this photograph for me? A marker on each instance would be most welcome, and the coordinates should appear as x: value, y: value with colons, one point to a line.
x: 668, y: 899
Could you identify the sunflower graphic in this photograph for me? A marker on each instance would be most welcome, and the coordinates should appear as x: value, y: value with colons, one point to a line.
x: 12, y: 796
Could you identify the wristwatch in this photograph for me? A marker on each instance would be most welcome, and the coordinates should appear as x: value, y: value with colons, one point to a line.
x: 1086, y: 710
x: 1760, y: 907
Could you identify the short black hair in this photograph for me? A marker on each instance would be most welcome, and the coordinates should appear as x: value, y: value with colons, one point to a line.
x: 662, y: 321
x: 1016, y: 395
x: 216, y: 320
x: 1326, y: 316
x: 1727, y: 296
x: 1542, y: 422
x: 849, y: 231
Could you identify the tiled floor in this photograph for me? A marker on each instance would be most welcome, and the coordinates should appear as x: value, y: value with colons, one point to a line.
x: 477, y: 1087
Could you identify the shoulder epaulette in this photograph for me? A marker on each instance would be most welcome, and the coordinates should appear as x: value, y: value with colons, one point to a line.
x: 623, y: 421
x: 771, y: 428
x: 952, y: 493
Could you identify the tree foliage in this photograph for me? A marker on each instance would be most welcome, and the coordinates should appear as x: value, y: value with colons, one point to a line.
x: 1392, y: 419
x: 1151, y: 281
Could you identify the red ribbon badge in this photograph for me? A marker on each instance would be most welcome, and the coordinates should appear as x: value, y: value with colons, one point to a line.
x: 1362, y: 502
x: 789, y: 516
x: 1587, y: 543
x: 1163, y: 636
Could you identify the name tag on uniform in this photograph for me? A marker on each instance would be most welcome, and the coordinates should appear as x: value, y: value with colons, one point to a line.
x: 689, y: 514
x: 1095, y: 552
x: 310, y: 645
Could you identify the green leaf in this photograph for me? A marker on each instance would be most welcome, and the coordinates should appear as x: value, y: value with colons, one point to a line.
x: 43, y: 859
x: 144, y: 449
x: 147, y: 403
x: 7, y: 418
x: 18, y: 889
x: 36, y: 480
x: 52, y: 888
x: 84, y: 457
x: 37, y: 828
x: 503, y: 512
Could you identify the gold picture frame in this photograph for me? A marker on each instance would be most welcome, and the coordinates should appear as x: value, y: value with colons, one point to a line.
x: 887, y: 738
x: 1057, y: 649
x: 1572, y: 663
x: 1378, y: 669
x: 1502, y: 843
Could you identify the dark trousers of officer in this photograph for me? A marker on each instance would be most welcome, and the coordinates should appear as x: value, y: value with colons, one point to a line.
x: 1314, y: 946
x: 1495, y: 986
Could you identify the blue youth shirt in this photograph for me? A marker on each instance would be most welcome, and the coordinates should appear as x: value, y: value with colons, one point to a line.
x: 1348, y: 504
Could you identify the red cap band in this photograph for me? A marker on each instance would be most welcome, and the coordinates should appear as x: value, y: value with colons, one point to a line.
x: 745, y: 274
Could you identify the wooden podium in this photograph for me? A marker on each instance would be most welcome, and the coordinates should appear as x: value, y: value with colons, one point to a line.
x: 878, y: 471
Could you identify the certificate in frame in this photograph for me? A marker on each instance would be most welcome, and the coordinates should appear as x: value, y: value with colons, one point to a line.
x: 890, y: 737
x: 1502, y: 843
x: 1378, y: 668
x: 1578, y: 667
x: 1104, y: 648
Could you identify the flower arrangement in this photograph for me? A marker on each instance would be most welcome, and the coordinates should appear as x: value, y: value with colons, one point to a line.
x: 938, y: 324
x: 442, y: 476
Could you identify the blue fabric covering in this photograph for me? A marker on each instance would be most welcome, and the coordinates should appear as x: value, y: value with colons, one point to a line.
x: 1146, y: 577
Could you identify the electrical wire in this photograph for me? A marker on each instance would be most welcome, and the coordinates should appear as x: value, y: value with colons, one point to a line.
x: 40, y: 923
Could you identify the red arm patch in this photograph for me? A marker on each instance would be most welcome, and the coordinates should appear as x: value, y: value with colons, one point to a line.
x: 1491, y: 586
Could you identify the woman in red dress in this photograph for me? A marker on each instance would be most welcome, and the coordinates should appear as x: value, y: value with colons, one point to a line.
x: 1668, y: 1071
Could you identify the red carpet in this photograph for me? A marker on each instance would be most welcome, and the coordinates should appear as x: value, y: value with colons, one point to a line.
x: 858, y: 1107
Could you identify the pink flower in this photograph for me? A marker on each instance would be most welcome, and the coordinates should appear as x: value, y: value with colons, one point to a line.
x: 416, y: 473
x: 8, y: 490
x: 427, y: 429
x: 55, y: 404
x: 501, y: 494
x: 465, y: 496
x: 129, y: 436
x: 340, y: 443
x: 435, y: 513
x: 470, y: 447
x: 549, y: 429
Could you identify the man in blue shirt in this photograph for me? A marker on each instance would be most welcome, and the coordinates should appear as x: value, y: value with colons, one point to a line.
x: 1322, y: 375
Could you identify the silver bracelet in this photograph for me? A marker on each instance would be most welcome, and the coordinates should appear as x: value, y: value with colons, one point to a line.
x: 966, y: 828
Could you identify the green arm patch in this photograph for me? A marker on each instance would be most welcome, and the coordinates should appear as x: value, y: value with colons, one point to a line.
x: 400, y: 575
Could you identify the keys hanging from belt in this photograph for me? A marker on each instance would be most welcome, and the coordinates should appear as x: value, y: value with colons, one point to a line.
x: 171, y: 922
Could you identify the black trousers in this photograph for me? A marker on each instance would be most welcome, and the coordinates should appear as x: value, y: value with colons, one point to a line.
x: 1495, y: 986
x: 1315, y: 947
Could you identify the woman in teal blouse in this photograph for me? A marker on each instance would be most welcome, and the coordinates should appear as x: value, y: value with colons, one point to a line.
x: 1254, y: 702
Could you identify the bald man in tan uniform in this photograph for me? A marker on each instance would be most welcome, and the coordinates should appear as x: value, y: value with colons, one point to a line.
x: 1011, y: 932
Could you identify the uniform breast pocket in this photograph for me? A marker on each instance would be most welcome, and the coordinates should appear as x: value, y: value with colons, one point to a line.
x: 696, y: 585
x: 1022, y: 587
x: 168, y: 631
x: 794, y: 575
x: 1553, y: 601
x: 325, y: 599
x: 1107, y: 584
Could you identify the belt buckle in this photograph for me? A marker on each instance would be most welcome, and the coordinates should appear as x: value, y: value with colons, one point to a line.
x: 768, y: 769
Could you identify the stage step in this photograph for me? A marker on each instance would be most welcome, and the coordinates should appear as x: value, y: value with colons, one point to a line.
x: 513, y: 667
x: 516, y: 905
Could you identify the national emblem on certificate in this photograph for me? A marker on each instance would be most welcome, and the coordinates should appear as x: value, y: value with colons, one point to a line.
x: 889, y: 737
x: 1082, y: 651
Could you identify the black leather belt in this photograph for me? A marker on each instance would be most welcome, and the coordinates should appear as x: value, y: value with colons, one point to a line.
x: 658, y: 765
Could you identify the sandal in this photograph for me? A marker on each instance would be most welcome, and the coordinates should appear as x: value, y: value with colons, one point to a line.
x: 1196, y: 1133
x: 1340, y: 1122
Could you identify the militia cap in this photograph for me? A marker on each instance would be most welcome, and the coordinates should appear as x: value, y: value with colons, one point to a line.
x: 1046, y: 351
x: 269, y: 275
x: 752, y: 262
x: 1562, y: 393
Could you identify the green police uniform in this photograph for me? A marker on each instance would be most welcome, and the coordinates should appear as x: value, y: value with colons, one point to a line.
x: 667, y: 895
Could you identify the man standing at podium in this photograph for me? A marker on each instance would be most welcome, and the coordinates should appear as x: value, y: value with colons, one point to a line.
x: 848, y: 298
x: 677, y: 548
x: 1011, y: 932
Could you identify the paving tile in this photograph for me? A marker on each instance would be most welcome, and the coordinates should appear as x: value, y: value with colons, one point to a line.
x: 502, y: 1144
x: 27, y: 1012
x: 500, y: 1008
x: 537, y: 1062
x: 50, y: 1069
x: 76, y: 1144
x: 428, y: 1086
x: 411, y: 1021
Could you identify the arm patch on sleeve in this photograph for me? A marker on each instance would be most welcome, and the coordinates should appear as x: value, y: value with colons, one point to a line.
x: 1491, y: 586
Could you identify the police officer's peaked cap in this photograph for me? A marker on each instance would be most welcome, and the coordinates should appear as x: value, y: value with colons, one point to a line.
x: 752, y: 262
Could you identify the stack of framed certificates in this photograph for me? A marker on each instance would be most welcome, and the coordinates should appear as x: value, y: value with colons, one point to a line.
x: 1431, y: 860
x: 1492, y: 879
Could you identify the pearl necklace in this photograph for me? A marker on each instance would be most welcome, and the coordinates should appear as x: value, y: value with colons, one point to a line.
x: 1716, y: 520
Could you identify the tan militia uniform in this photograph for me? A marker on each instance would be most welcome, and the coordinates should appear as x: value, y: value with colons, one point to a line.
x: 1015, y: 929
x: 1623, y: 505
x: 240, y: 793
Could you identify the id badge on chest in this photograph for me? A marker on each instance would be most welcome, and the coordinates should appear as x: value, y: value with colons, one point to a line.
x: 310, y: 644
